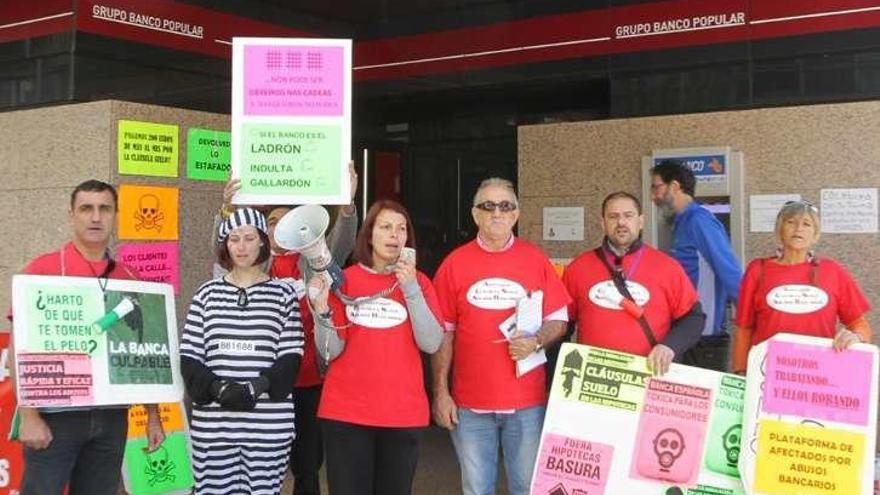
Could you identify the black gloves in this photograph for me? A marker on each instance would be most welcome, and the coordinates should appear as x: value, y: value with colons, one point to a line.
x: 233, y: 395
x: 239, y: 396
x: 199, y: 380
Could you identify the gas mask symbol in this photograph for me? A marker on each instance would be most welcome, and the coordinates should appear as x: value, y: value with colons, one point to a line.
x: 668, y: 447
x: 732, y: 437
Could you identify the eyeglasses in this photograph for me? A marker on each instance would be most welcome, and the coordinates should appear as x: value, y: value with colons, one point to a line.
x: 505, y: 206
x: 805, y: 203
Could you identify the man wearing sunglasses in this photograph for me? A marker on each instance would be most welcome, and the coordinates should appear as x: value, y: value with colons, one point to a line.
x: 701, y: 245
x: 478, y: 286
x: 629, y: 296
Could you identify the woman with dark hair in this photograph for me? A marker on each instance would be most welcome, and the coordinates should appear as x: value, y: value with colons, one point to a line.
x: 241, y: 348
x: 374, y: 406
x: 825, y: 291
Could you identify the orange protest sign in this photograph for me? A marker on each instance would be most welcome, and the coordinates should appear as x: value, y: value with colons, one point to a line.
x: 147, y: 212
x: 169, y: 412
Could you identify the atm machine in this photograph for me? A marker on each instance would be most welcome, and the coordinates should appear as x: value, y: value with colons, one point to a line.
x: 720, y: 176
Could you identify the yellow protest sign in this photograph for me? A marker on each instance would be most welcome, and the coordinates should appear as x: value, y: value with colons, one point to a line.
x: 169, y: 412
x: 147, y: 148
x: 148, y: 213
x: 801, y: 459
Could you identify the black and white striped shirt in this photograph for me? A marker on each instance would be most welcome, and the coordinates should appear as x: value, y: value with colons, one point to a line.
x: 237, y: 343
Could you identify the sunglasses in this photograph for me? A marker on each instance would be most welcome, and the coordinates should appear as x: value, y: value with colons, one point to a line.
x: 806, y: 204
x: 505, y: 206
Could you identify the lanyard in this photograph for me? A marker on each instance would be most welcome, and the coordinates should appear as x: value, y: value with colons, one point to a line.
x: 105, y: 274
x: 611, y: 257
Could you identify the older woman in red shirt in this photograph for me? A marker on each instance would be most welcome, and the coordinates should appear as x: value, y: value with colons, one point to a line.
x: 797, y: 291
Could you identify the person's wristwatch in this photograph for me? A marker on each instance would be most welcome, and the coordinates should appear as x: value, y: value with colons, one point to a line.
x: 538, y: 344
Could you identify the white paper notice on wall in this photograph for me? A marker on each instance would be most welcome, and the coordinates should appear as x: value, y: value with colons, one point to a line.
x: 849, y: 211
x: 564, y: 223
x: 763, y: 209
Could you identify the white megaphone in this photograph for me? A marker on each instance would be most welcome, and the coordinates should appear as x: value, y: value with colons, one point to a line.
x: 302, y: 230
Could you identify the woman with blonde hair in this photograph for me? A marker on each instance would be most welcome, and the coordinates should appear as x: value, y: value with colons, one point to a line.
x: 796, y: 291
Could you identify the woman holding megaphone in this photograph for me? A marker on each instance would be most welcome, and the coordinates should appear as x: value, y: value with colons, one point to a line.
x: 374, y: 406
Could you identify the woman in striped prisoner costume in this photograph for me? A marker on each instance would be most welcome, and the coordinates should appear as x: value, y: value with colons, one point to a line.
x: 241, y: 348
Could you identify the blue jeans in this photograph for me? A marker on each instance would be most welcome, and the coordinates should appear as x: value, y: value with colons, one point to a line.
x: 476, y: 441
x: 86, y: 450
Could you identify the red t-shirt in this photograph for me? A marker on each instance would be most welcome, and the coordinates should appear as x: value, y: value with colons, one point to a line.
x: 68, y: 262
x: 378, y: 378
x: 782, y: 299
x: 478, y: 290
x: 657, y: 283
x: 285, y: 267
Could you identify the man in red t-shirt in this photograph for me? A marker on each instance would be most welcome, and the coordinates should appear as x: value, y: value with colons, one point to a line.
x: 478, y: 286
x: 659, y: 317
x: 82, y: 446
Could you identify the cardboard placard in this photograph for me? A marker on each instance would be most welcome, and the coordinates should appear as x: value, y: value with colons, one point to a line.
x: 11, y: 460
x: 148, y: 213
x: 291, y: 120
x: 79, y: 343
x: 612, y: 428
x: 207, y: 155
x: 168, y: 469
x: 154, y: 262
x: 147, y: 148
x: 810, y: 418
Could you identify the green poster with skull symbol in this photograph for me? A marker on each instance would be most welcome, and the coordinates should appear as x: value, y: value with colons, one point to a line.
x: 165, y: 470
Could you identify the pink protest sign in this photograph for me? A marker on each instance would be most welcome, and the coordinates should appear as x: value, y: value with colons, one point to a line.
x: 818, y: 383
x: 572, y: 465
x: 54, y: 379
x: 294, y: 80
x: 672, y: 427
x: 155, y: 261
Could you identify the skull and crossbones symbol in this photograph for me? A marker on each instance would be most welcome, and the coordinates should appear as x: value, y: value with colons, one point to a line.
x: 158, y: 468
x: 147, y: 214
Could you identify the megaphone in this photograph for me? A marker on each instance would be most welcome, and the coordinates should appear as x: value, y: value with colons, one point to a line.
x: 302, y: 230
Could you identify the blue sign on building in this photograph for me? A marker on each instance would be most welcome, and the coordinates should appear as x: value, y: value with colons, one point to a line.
x: 706, y: 168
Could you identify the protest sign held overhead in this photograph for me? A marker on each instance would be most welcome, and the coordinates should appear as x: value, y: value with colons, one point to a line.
x: 291, y: 120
